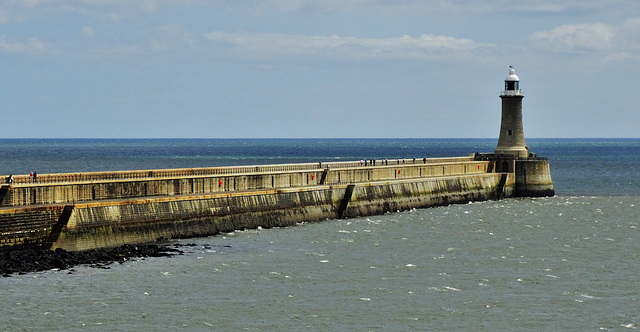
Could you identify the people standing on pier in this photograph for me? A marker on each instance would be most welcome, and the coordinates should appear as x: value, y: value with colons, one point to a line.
x: 35, y: 175
x: 31, y: 176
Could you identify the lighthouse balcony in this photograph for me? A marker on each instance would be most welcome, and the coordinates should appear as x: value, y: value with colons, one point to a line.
x: 512, y: 93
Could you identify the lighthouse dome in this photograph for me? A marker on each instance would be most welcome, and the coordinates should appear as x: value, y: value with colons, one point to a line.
x: 512, y: 77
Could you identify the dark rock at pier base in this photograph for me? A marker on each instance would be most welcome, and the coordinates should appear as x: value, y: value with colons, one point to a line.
x: 34, y: 260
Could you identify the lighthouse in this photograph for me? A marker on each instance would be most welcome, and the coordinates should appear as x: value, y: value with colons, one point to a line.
x: 511, y: 141
x: 524, y: 174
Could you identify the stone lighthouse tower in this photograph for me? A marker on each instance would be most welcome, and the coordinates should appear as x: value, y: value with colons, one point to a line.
x: 511, y: 141
x: 524, y: 174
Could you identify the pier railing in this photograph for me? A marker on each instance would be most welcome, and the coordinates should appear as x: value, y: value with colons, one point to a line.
x: 223, y: 170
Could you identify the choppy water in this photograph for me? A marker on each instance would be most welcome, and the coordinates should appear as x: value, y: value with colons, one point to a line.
x: 568, y: 262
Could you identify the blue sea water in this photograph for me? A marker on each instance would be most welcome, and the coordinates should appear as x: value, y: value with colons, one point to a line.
x: 568, y: 263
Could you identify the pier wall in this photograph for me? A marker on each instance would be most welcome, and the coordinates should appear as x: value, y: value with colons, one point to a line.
x: 132, y: 186
x: 27, y: 227
x: 110, y: 224
x: 96, y: 212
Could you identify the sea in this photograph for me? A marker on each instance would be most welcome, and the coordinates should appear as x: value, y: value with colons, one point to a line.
x: 564, y: 263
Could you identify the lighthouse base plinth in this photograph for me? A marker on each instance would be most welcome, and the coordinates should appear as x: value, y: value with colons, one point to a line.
x: 533, y: 178
x: 532, y: 174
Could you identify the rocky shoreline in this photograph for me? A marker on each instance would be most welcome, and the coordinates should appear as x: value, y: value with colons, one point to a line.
x: 34, y: 260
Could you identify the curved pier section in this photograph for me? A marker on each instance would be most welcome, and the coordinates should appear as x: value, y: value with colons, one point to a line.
x: 96, y: 210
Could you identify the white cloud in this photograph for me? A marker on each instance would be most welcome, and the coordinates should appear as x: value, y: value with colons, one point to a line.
x: 176, y: 34
x: 88, y: 31
x: 622, y: 57
x: 592, y: 36
x: 113, y: 10
x: 119, y: 9
x: 8, y: 17
x: 630, y: 33
x: 627, y: 42
x: 562, y: 6
x: 271, y: 46
x: 30, y: 46
x: 25, y: 3
x: 615, y: 44
x: 420, y: 7
x: 117, y: 52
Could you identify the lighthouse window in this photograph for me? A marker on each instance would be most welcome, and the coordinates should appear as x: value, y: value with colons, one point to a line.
x: 509, y: 132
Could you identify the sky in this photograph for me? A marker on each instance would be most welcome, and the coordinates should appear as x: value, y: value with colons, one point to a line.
x: 316, y: 68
